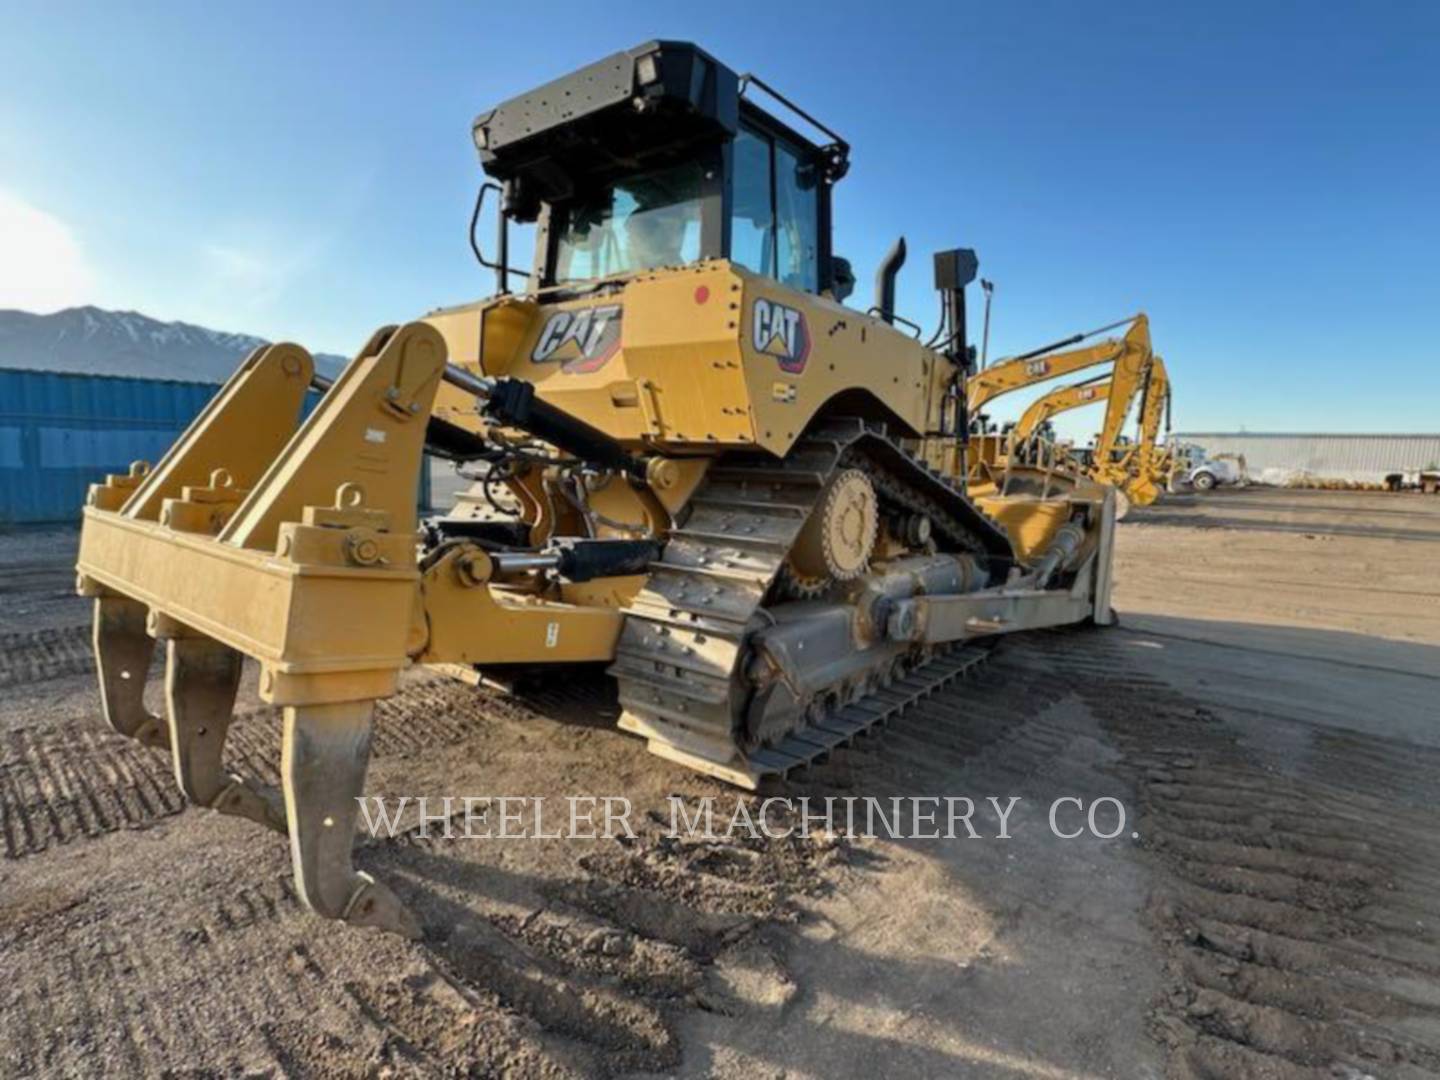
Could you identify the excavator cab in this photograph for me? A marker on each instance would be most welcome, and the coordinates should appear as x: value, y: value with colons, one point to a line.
x: 659, y: 157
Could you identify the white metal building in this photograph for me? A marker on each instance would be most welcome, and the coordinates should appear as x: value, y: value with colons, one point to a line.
x: 1341, y: 457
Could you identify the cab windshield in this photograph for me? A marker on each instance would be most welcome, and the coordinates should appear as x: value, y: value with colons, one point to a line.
x: 642, y: 222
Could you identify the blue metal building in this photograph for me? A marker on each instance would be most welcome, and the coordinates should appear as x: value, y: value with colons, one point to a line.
x: 60, y: 432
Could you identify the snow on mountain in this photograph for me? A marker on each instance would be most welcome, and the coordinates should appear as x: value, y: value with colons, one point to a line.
x: 93, y: 341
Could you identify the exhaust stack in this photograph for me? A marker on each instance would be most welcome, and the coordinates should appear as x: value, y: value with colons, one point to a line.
x: 885, y: 280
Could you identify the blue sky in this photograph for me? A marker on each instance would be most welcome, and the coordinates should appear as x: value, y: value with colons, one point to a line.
x: 1263, y: 179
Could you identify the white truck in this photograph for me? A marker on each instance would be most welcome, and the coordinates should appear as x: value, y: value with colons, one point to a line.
x: 1202, y: 473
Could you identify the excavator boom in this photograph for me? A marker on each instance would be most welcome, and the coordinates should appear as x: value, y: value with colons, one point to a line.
x: 1061, y: 400
x: 1007, y: 376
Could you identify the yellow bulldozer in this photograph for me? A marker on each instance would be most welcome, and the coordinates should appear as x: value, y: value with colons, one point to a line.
x: 693, y: 463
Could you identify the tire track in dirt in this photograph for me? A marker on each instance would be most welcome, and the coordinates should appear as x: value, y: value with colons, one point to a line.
x: 593, y: 970
x: 38, y: 578
x: 585, y: 984
x: 293, y: 1003
x: 36, y: 655
x: 1295, y: 899
x: 72, y: 780
x: 1283, y: 906
x: 638, y: 930
x: 589, y: 983
x: 78, y: 779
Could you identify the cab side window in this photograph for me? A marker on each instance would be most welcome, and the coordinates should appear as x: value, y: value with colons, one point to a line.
x: 797, y: 211
x: 752, y: 218
x: 775, y: 211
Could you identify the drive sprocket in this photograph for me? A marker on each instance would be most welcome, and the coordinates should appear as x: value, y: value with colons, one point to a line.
x: 838, y: 539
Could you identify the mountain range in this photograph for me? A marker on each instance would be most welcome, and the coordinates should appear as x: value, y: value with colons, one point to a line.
x: 93, y: 341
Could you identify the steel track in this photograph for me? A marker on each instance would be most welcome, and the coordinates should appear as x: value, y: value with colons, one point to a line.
x: 812, y: 743
x: 681, y: 652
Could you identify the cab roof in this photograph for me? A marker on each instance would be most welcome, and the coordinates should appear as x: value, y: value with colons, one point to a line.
x: 643, y: 106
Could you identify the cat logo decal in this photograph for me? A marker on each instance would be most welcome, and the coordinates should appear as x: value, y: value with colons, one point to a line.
x: 780, y: 331
x: 581, y: 340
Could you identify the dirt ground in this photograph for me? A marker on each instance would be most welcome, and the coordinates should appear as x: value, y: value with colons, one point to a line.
x: 1265, y: 714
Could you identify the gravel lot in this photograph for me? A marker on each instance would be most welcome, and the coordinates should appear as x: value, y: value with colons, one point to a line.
x: 1265, y: 713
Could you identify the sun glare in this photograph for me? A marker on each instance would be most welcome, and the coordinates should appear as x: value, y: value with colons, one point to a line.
x: 41, y: 265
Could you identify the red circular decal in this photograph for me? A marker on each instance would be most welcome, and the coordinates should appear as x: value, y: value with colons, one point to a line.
x: 702, y: 293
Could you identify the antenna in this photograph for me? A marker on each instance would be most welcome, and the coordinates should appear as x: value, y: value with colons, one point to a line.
x: 989, y: 288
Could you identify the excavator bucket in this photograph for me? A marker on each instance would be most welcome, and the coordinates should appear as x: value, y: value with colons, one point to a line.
x: 247, y: 529
x: 1142, y: 490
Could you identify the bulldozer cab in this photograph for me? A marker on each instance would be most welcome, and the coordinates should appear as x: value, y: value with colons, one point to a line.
x: 658, y: 157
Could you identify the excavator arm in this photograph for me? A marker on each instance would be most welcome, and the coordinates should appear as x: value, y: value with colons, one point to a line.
x: 1149, y: 465
x: 1042, y: 365
x: 1130, y: 374
x: 1059, y: 401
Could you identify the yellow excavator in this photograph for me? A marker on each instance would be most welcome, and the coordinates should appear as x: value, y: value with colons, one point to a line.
x: 1150, y: 464
x: 1111, y: 461
x: 1141, y: 468
x: 1048, y: 406
x: 694, y: 464
x: 1129, y: 354
x: 1031, y: 440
